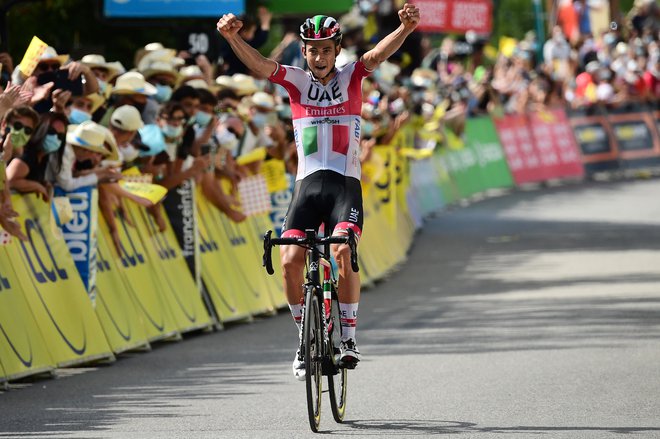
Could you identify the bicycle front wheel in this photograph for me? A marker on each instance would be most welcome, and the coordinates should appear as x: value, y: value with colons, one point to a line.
x: 313, y: 339
x: 337, y: 384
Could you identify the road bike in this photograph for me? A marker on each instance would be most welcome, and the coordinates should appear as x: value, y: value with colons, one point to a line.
x: 321, y: 328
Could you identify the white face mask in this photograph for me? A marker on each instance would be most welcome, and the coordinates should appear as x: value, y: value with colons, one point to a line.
x: 128, y: 152
x: 260, y: 120
x: 227, y: 140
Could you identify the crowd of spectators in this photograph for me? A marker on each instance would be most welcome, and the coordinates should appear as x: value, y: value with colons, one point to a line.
x: 177, y: 115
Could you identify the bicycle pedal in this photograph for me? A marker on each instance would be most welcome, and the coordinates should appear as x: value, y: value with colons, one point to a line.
x: 348, y: 364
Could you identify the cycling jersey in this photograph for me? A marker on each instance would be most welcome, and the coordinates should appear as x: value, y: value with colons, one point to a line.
x: 326, y: 119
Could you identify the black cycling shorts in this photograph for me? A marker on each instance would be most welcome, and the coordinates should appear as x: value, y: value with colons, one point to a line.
x: 325, y: 197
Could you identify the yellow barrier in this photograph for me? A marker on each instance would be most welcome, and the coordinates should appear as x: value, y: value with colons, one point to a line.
x: 218, y: 273
x: 141, y: 281
x: 54, y: 290
x: 115, y: 307
x: 174, y: 280
x: 22, y: 348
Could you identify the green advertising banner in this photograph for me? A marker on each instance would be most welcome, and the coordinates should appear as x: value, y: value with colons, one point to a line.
x: 463, y: 164
x: 293, y: 7
x: 481, y: 137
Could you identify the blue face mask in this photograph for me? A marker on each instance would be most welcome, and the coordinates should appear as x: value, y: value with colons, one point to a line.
x: 79, y: 116
x: 103, y: 87
x: 367, y: 128
x: 202, y: 118
x: 163, y: 93
x: 171, y: 131
x: 51, y: 143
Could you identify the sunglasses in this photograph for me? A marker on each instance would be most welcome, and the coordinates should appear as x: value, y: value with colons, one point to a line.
x: 17, y: 126
x: 60, y: 136
x: 45, y: 67
x: 324, y: 33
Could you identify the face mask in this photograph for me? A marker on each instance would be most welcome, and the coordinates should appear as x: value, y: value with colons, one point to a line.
x: 260, y: 120
x: 202, y: 118
x: 51, y: 143
x: 128, y: 152
x: 227, y: 140
x: 83, y: 165
x: 171, y: 131
x: 103, y: 87
x: 79, y: 116
x: 163, y: 93
x: 18, y: 138
x: 367, y: 128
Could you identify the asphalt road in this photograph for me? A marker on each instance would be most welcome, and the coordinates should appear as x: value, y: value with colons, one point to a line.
x: 535, y: 314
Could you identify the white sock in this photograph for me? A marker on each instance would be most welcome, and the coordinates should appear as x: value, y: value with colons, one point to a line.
x: 348, y: 318
x: 296, y: 313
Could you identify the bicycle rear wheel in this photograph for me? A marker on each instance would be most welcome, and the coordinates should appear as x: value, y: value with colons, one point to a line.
x: 337, y: 383
x: 313, y: 339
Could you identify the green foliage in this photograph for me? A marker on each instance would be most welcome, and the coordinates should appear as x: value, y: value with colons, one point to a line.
x: 513, y: 18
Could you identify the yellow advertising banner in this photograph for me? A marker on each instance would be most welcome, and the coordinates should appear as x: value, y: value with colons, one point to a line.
x: 258, y: 225
x: 383, y: 184
x: 23, y: 351
x: 274, y: 171
x: 53, y: 289
x: 219, y: 273
x: 167, y: 263
x: 234, y: 240
x: 121, y: 321
x: 141, y: 281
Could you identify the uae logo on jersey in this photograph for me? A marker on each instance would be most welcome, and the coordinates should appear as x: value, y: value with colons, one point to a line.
x: 339, y: 139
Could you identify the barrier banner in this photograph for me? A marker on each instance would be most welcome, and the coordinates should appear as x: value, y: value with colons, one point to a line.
x: 595, y: 139
x: 556, y: 144
x: 80, y: 234
x: 448, y: 187
x: 481, y: 136
x: 636, y: 137
x: 175, y: 283
x: 279, y: 202
x: 219, y: 273
x: 141, y: 280
x: 120, y: 318
x: 464, y: 169
x: 181, y: 210
x: 56, y: 295
x: 23, y: 350
x: 383, y: 183
x: 518, y: 143
x: 460, y: 16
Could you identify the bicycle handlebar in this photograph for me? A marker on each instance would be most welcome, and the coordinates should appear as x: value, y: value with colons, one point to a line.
x: 309, y: 240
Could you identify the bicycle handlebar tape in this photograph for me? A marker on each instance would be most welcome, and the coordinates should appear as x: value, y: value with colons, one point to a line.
x: 268, y: 258
x: 354, y: 256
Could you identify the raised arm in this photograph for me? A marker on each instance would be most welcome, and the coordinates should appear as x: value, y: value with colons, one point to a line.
x: 228, y: 26
x: 409, y: 16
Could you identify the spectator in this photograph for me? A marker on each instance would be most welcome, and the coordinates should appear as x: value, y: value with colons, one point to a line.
x: 130, y: 89
x: 124, y: 125
x: 18, y: 126
x: 27, y: 173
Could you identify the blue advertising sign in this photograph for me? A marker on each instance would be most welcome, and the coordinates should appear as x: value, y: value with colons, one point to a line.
x: 171, y: 8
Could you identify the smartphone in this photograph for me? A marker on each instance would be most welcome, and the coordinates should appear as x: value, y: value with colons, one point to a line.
x: 61, y: 80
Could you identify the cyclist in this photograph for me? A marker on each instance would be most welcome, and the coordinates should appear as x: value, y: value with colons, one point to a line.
x: 326, y: 105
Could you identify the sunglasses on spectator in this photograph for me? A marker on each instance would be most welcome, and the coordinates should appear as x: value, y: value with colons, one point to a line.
x: 53, y: 131
x: 45, y: 67
x: 163, y: 82
x: 17, y: 126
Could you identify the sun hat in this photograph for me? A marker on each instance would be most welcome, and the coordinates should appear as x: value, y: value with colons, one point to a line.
x: 126, y: 118
x: 94, y: 60
x: 88, y: 135
x: 243, y: 84
x: 133, y: 83
x: 191, y: 72
x: 50, y: 54
x: 263, y: 100
x: 160, y: 68
x: 96, y: 99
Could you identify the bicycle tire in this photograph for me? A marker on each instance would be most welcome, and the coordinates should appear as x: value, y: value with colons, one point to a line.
x: 337, y: 383
x: 313, y: 339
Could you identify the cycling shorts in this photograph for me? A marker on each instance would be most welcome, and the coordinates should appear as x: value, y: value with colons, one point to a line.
x: 325, y: 197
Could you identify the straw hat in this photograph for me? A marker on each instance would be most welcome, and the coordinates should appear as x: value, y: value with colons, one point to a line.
x: 159, y: 68
x: 94, y: 60
x: 191, y: 72
x: 126, y: 118
x: 88, y: 135
x: 225, y: 81
x: 197, y: 83
x: 243, y: 84
x: 96, y: 99
x: 50, y: 54
x: 133, y: 83
x: 263, y: 100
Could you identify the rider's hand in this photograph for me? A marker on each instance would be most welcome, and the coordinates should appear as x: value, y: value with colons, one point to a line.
x: 229, y: 25
x: 409, y: 16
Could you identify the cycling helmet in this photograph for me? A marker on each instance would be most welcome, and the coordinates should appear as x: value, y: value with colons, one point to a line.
x: 320, y: 27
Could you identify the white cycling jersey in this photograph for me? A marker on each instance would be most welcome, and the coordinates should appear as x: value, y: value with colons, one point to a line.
x: 326, y: 119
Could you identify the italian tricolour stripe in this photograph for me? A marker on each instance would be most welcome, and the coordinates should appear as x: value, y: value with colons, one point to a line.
x: 339, y: 139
